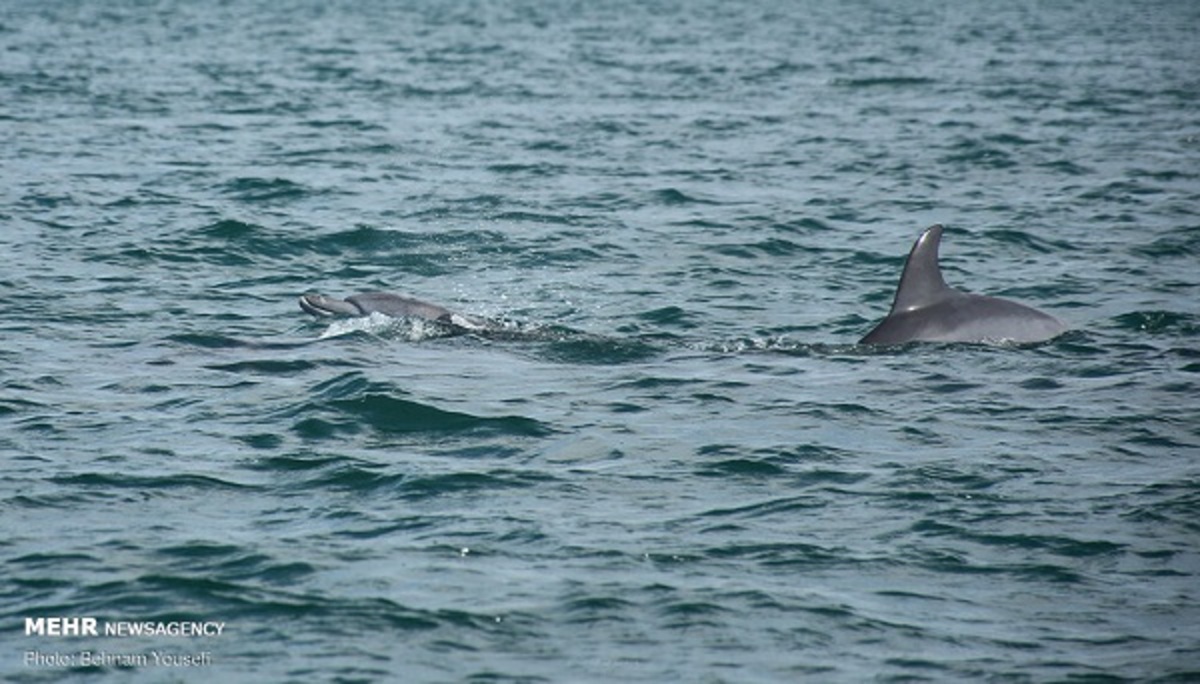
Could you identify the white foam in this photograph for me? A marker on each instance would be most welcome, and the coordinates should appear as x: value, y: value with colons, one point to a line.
x: 382, y: 325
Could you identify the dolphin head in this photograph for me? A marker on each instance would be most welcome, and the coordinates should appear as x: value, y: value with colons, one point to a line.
x: 321, y: 306
x: 366, y: 303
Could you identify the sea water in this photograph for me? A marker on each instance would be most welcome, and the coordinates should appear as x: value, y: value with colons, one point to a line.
x: 680, y: 466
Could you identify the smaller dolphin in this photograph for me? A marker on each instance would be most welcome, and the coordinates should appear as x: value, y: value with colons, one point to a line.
x: 926, y: 309
x: 388, y: 304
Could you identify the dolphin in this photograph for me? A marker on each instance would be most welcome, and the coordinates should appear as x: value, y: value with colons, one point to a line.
x: 926, y: 309
x: 389, y: 304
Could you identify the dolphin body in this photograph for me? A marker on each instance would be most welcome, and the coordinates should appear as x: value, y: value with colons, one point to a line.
x: 926, y: 309
x: 389, y: 304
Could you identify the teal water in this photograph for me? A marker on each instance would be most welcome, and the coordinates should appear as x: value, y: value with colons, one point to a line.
x: 683, y: 468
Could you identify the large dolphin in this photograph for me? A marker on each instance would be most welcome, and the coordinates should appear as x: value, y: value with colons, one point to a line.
x: 926, y: 309
x: 389, y: 304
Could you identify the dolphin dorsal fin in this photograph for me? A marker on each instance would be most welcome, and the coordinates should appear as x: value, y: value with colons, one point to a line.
x: 921, y: 283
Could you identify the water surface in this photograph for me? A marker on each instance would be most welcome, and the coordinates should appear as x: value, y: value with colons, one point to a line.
x: 690, y: 472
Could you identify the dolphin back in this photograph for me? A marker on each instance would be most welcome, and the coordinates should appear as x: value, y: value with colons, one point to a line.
x: 963, y: 317
x: 926, y: 309
x: 396, y: 306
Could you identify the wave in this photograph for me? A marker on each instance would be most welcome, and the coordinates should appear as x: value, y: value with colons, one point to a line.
x: 350, y: 404
x: 1159, y: 322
